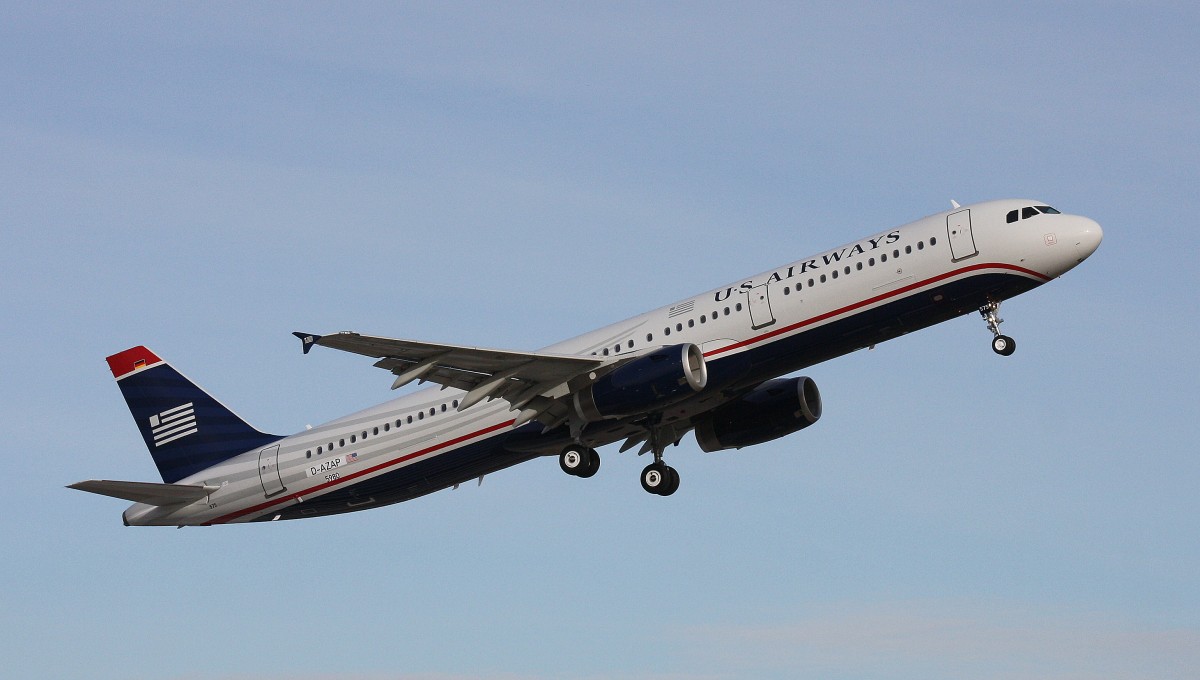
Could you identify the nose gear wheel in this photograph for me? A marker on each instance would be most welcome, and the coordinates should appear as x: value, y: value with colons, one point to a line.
x: 1001, y: 344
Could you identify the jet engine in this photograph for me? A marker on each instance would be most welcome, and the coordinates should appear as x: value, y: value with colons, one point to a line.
x: 658, y: 379
x: 773, y: 409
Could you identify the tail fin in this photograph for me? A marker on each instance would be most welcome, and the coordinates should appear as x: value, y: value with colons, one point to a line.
x: 185, y: 429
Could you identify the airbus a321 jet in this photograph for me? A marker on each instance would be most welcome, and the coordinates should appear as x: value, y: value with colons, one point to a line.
x: 709, y: 364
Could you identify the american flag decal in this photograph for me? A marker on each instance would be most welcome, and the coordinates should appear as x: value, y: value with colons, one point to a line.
x: 683, y: 308
x: 173, y: 424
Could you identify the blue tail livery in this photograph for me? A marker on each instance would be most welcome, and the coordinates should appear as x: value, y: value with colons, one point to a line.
x: 185, y: 429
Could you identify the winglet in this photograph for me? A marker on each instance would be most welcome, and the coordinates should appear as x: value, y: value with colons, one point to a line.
x: 307, y: 340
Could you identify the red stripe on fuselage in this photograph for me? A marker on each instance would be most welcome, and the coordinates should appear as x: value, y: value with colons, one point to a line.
x: 355, y: 475
x: 870, y: 301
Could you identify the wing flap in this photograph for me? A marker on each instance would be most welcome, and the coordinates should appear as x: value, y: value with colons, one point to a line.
x: 483, y: 372
x: 150, y: 493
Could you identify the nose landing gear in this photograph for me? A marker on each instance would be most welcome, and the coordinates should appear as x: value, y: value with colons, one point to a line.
x: 1001, y: 344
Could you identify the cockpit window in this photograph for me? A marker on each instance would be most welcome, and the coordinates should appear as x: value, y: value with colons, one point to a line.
x: 1030, y: 211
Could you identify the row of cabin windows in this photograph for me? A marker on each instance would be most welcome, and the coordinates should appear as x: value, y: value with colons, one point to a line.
x: 387, y: 427
x: 691, y: 323
x: 858, y: 266
x: 787, y: 290
x: 1029, y: 211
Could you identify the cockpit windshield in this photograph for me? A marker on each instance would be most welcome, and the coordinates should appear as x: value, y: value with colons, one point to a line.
x: 1030, y: 211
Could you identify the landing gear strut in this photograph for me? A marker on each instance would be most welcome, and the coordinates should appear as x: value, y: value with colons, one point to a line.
x: 658, y: 477
x: 1001, y: 344
x: 579, y: 461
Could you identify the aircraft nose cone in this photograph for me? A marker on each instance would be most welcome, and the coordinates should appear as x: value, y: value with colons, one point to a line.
x: 1088, y: 238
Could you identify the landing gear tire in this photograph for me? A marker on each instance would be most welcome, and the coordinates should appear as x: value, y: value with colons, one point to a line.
x: 579, y: 461
x: 660, y: 479
x: 593, y: 465
x: 1003, y: 345
x: 673, y: 483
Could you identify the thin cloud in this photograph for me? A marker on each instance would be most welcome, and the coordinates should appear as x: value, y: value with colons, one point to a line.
x: 935, y: 640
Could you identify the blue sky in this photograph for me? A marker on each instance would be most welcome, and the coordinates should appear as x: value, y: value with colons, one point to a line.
x: 205, y: 179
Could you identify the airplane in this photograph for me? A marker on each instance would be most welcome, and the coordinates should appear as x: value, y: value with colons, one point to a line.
x: 713, y: 364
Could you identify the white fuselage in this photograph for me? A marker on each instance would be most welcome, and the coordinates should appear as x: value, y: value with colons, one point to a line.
x: 870, y: 290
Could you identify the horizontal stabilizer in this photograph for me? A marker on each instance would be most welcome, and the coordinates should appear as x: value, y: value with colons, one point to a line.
x: 150, y: 493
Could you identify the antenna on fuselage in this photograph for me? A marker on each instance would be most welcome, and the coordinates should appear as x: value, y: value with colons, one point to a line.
x: 955, y: 204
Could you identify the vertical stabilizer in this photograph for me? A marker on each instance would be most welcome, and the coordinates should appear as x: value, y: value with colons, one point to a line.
x: 185, y: 429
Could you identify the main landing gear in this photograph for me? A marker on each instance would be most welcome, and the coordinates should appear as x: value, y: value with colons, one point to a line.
x: 1001, y: 344
x: 579, y: 460
x: 660, y: 478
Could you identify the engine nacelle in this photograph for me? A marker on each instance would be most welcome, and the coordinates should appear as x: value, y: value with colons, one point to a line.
x: 773, y: 409
x: 658, y: 379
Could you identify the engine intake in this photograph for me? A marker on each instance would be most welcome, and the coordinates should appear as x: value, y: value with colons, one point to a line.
x: 772, y: 410
x: 656, y: 380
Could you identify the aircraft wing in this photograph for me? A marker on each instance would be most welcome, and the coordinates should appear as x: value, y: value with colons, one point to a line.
x: 521, y: 378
